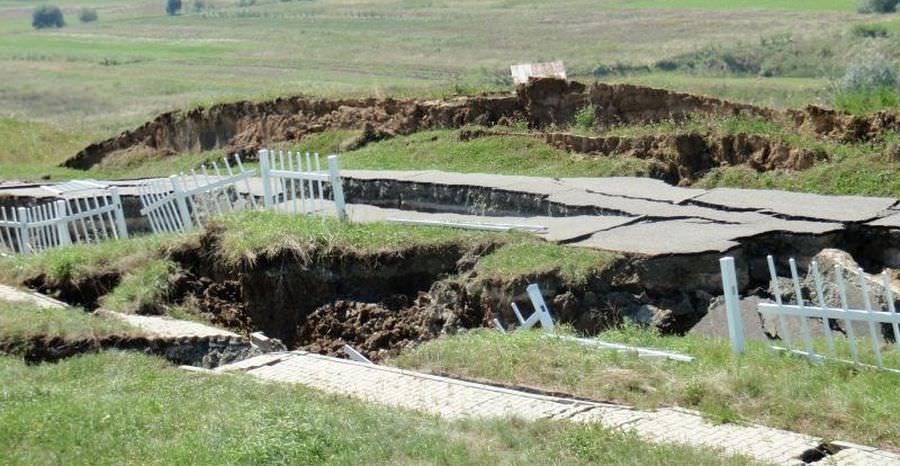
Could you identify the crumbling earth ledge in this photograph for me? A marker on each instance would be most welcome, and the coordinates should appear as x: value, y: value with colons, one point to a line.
x: 245, y: 127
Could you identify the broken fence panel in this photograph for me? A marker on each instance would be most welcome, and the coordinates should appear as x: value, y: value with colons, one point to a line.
x: 356, y: 355
x: 542, y: 314
x: 802, y: 311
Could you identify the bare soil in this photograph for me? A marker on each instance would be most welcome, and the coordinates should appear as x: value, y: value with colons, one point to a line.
x: 244, y: 127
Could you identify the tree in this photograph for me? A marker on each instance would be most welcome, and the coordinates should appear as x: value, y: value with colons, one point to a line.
x: 47, y: 16
x: 878, y: 6
x: 173, y: 7
x: 87, y: 15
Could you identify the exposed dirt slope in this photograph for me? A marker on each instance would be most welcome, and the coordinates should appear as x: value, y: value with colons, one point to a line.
x: 247, y: 126
x: 683, y: 158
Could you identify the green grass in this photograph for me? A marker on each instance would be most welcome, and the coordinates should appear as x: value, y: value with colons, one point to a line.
x: 855, y: 174
x: 832, y: 400
x: 862, y: 102
x: 73, y: 263
x: 528, y: 258
x: 249, y: 235
x: 21, y: 321
x: 121, y: 408
x: 507, y: 155
x: 807, y: 5
x: 143, y: 289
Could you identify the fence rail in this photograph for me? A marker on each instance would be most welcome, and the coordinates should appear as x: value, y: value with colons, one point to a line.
x: 291, y: 182
x: 94, y: 218
x: 297, y: 182
x: 183, y: 202
x: 833, y: 320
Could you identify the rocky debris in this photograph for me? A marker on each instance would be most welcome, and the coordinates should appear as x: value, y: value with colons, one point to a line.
x: 827, y: 261
x: 244, y: 127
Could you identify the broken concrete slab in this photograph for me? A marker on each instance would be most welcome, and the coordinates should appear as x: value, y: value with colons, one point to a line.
x: 890, y: 221
x: 800, y: 205
x: 665, y: 237
x: 635, y: 188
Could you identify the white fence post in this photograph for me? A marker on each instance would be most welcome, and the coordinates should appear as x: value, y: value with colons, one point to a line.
x: 337, y: 187
x: 24, y: 237
x: 181, y: 203
x: 266, y: 177
x: 732, y: 304
x: 62, y: 223
x: 119, y: 213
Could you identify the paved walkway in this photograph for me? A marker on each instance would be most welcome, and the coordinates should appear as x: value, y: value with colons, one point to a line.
x: 164, y: 327
x: 637, y: 215
x: 456, y: 399
x: 8, y: 293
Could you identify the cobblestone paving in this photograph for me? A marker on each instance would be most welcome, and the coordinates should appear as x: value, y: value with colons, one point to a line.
x: 455, y: 399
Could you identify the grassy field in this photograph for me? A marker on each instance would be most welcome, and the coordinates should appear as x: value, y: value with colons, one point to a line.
x: 119, y: 408
x: 835, y: 401
x: 135, y: 61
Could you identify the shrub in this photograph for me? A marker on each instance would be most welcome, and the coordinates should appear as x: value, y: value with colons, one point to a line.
x: 869, y: 71
x: 87, y: 15
x: 870, y: 30
x: 173, y: 7
x: 585, y: 117
x: 47, y: 16
x: 878, y: 6
x: 198, y: 6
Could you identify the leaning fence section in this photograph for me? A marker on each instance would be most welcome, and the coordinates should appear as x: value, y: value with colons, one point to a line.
x: 288, y: 181
x: 868, y: 335
x: 183, y: 202
x: 84, y: 219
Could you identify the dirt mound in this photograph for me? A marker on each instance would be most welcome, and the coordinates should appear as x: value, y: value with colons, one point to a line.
x: 245, y: 127
x: 375, y: 329
x: 687, y: 157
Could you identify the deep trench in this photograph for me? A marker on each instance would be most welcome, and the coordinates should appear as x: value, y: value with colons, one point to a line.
x: 381, y: 303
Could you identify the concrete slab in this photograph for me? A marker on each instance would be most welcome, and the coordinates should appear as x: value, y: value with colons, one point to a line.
x: 636, y: 188
x: 890, y: 221
x: 666, y: 237
x: 832, y: 208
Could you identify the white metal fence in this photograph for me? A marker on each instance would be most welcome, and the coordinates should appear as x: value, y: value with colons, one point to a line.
x: 290, y: 182
x: 85, y: 219
x: 180, y: 203
x: 296, y: 182
x: 879, y: 324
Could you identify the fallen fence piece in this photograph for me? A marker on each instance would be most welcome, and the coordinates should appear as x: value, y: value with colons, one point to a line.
x: 823, y: 314
x: 356, y: 355
x: 640, y: 351
x: 542, y: 314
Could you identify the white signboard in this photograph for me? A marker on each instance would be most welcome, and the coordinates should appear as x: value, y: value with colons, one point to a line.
x: 521, y: 73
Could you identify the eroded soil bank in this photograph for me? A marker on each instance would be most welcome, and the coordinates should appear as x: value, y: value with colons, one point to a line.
x: 244, y: 127
x: 382, y: 302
